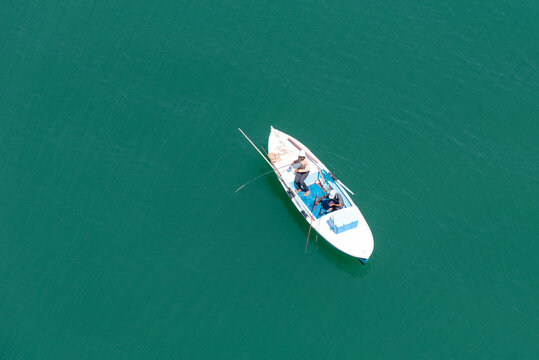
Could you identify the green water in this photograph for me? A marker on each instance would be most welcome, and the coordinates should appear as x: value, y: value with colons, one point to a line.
x: 121, y: 236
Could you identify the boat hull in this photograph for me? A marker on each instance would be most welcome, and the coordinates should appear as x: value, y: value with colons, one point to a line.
x: 356, y: 242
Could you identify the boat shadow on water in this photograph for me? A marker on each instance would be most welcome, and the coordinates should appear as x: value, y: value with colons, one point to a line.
x: 344, y: 262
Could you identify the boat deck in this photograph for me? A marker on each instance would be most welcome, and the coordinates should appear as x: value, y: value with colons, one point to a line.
x: 317, y: 192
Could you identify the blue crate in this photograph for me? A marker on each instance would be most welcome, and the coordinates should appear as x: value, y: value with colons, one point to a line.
x: 341, y: 221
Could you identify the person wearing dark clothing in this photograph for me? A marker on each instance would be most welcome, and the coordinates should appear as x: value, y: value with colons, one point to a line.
x: 302, y: 172
x: 335, y: 201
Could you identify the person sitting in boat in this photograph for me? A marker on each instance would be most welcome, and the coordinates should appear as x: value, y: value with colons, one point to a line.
x: 335, y: 201
x: 302, y: 171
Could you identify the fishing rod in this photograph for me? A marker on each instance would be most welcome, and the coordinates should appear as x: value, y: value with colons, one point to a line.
x: 310, y: 226
x: 339, y: 182
x: 345, y: 187
x: 259, y: 176
x: 279, y: 176
x: 270, y: 164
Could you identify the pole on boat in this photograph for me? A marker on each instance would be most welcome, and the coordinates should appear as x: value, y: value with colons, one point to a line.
x: 270, y: 164
x: 310, y: 226
x: 345, y: 187
x: 265, y: 158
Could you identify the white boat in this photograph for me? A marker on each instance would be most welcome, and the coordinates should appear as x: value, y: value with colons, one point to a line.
x: 346, y: 228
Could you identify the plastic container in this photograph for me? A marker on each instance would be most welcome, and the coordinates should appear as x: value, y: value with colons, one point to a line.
x: 342, y: 221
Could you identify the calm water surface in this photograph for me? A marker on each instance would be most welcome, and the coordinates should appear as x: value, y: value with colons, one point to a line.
x: 121, y: 236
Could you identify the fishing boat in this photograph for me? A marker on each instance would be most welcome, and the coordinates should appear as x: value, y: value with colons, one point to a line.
x: 345, y: 228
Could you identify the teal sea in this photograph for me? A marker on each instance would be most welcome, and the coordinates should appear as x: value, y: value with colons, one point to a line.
x: 121, y: 236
